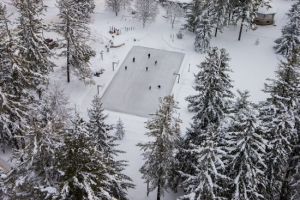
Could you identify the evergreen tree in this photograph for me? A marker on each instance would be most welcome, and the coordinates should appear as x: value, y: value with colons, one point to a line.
x: 12, y: 109
x: 279, y: 121
x: 289, y: 40
x: 85, y: 8
x: 120, y: 132
x: 32, y: 51
x: 117, y: 183
x: 210, y: 104
x: 213, y: 86
x: 146, y: 10
x: 206, y: 180
x: 84, y: 174
x: 245, y: 150
x: 24, y: 66
x: 203, y: 34
x: 159, y: 154
x: 219, y: 11
x: 35, y: 175
x: 192, y: 15
x: 245, y: 12
x: 73, y: 27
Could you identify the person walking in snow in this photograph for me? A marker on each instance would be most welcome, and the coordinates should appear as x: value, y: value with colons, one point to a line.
x: 133, y: 59
x: 146, y: 68
x: 125, y: 67
x: 155, y: 63
x: 158, y: 86
x: 148, y: 55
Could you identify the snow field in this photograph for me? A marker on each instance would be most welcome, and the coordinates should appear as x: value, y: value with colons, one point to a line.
x: 135, y: 88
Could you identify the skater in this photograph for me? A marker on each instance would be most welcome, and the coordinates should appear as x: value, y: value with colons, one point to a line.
x: 150, y: 87
x: 158, y: 86
x: 125, y: 67
x: 148, y: 55
x: 155, y: 62
x: 133, y: 59
x: 146, y: 68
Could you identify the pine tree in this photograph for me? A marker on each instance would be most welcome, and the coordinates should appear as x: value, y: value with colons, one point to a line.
x: 203, y: 34
x: 159, y: 154
x: 85, y: 7
x: 192, y: 15
x: 213, y: 86
x: 32, y: 51
x: 219, y: 11
x: 245, y: 151
x: 245, y: 12
x: 209, y: 105
x: 73, y: 27
x: 11, y: 109
x: 289, y: 40
x: 81, y: 165
x: 206, y: 180
x: 35, y: 175
x: 146, y: 10
x: 120, y: 132
x: 118, y: 182
x: 279, y: 121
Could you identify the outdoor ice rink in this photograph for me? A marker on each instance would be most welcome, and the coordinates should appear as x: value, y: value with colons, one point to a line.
x: 129, y: 90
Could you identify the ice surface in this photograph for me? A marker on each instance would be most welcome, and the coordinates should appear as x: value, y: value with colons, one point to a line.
x: 129, y: 90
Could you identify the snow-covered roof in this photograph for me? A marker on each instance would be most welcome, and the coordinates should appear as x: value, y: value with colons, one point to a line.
x: 267, y: 9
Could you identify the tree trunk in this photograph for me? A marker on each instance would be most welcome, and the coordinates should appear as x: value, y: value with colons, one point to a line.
x: 241, y: 29
x: 158, y: 190
x: 216, y: 31
x: 68, y: 49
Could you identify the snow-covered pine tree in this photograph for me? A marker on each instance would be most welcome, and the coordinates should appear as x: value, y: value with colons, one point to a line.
x: 146, y: 10
x: 245, y: 12
x: 219, y: 13
x: 73, y: 27
x: 118, y: 182
x: 160, y: 153
x: 33, y: 53
x: 210, y: 104
x: 117, y: 5
x: 15, y: 81
x: 192, y: 15
x: 289, y: 40
x: 203, y: 34
x: 35, y: 175
x: 279, y: 116
x: 84, y: 174
x: 290, y: 189
x: 245, y: 149
x: 290, y: 183
x: 213, y: 86
x: 86, y: 7
x: 206, y: 180
x: 120, y: 131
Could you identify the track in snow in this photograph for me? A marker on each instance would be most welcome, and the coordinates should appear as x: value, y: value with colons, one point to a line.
x: 129, y: 91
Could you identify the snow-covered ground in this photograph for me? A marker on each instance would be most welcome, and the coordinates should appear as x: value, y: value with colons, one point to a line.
x: 252, y: 61
x: 135, y: 90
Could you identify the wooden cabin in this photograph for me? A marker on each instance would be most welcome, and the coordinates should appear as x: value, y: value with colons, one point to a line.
x: 265, y: 16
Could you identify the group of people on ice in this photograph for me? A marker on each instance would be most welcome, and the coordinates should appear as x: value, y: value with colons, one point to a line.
x: 147, y: 68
